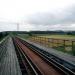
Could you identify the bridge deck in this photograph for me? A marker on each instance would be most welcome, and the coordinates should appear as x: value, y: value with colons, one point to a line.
x: 9, y: 63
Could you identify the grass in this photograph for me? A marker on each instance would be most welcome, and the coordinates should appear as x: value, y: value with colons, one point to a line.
x: 59, y: 36
x: 25, y: 36
x: 1, y: 38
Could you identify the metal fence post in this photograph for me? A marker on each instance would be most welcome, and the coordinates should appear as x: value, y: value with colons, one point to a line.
x: 73, y: 48
x: 64, y: 44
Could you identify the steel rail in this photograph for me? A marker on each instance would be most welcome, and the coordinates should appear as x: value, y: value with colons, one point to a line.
x: 33, y: 69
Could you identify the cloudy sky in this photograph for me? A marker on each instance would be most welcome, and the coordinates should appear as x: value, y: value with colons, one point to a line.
x: 37, y: 15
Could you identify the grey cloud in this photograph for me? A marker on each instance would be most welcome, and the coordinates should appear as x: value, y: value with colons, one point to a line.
x: 65, y: 17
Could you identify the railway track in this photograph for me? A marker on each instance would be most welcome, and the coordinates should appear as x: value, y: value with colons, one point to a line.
x: 36, y: 62
x: 25, y: 64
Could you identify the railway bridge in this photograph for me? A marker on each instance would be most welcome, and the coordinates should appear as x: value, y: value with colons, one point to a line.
x: 20, y: 57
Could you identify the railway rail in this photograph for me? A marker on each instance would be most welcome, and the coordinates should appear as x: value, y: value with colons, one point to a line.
x: 25, y: 64
x: 38, y: 62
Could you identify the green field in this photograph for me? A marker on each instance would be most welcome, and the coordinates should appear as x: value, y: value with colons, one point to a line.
x: 25, y: 36
x: 60, y: 36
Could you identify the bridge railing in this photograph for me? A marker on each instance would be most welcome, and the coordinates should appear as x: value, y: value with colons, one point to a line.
x: 65, y: 45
